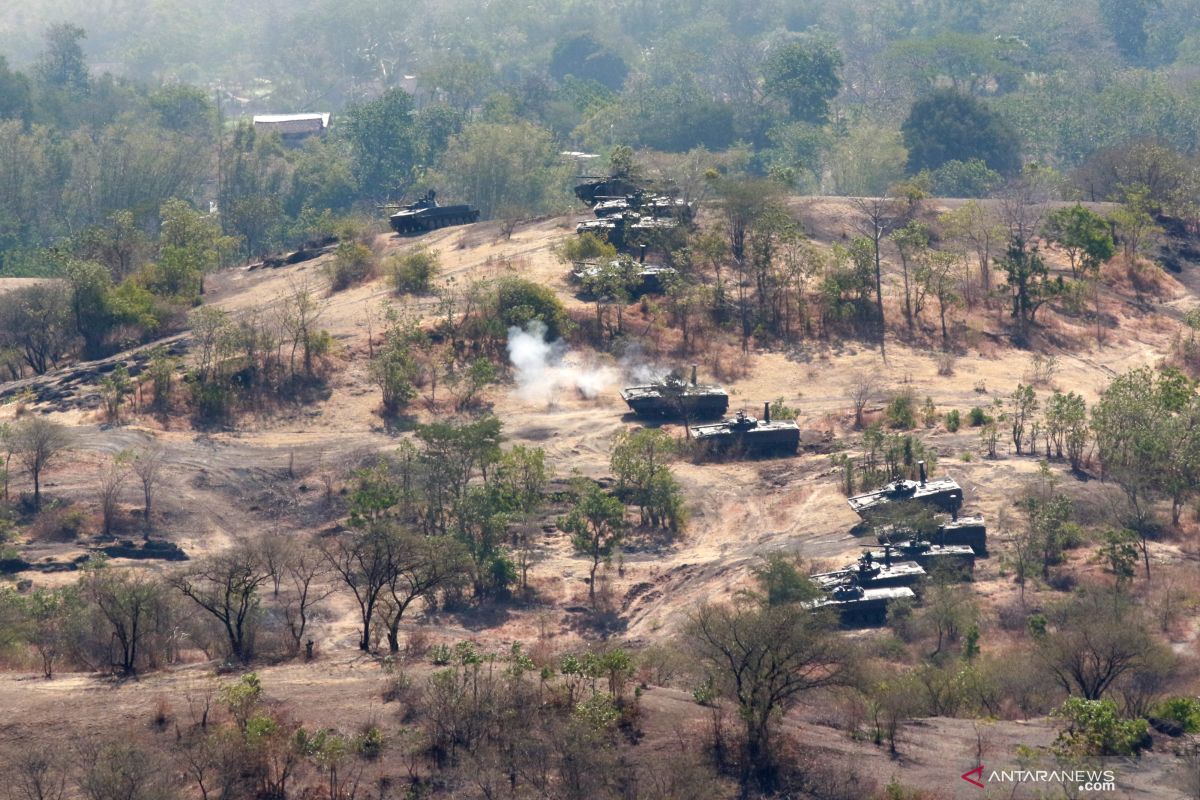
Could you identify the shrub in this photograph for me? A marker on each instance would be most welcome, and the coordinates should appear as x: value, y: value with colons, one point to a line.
x: 1183, y: 711
x: 519, y: 302
x: 779, y: 411
x: 1095, y: 729
x: 978, y: 417
x: 953, y: 420
x: 901, y: 412
x: 352, y: 263
x: 413, y: 273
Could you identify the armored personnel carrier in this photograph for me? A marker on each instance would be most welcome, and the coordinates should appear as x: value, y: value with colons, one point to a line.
x: 426, y: 214
x: 968, y: 531
x: 750, y: 434
x: 956, y: 557
x: 650, y: 276
x: 871, y: 573
x: 675, y: 396
x: 944, y: 494
x: 857, y: 605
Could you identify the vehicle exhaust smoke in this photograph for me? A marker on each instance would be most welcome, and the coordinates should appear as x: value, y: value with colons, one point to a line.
x: 545, y: 370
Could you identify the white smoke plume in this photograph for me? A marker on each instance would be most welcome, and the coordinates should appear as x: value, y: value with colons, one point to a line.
x: 545, y: 370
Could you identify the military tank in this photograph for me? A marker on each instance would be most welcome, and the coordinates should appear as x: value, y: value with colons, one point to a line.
x: 673, y: 397
x: 869, y: 572
x: 858, y: 605
x: 750, y: 434
x: 944, y: 494
x: 426, y: 214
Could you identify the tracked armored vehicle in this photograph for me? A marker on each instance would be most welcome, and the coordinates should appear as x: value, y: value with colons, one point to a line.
x: 969, y: 531
x: 871, y: 573
x: 598, y: 188
x: 943, y: 494
x: 675, y: 397
x: 426, y: 214
x: 955, y: 557
x: 749, y: 434
x: 650, y: 277
x: 857, y: 605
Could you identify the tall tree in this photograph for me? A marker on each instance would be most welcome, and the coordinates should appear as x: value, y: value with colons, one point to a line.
x: 947, y: 126
x: 804, y: 74
x: 383, y: 144
x: 765, y: 660
x: 37, y: 442
x: 596, y: 525
x: 1083, y: 235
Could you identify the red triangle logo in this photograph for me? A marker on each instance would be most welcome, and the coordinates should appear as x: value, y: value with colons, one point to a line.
x: 978, y: 771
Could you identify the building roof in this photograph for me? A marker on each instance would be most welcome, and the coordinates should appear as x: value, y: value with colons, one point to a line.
x: 285, y: 124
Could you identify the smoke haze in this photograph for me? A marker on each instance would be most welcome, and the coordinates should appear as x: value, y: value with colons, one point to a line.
x: 545, y: 370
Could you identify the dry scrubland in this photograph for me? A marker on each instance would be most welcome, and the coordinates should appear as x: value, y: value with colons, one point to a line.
x: 231, y: 485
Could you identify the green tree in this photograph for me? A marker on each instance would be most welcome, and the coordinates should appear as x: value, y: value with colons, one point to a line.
x: 1083, y: 235
x: 948, y: 126
x: 581, y: 56
x: 508, y: 171
x: 1126, y: 23
x: 62, y: 65
x: 640, y: 462
x: 1120, y: 555
x: 596, y: 525
x: 1029, y: 283
x: 15, y: 102
x: 383, y: 144
x: 1094, y: 728
x: 765, y: 660
x: 803, y: 73
x: 782, y: 581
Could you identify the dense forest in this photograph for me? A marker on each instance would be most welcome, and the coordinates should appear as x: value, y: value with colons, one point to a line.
x: 116, y: 107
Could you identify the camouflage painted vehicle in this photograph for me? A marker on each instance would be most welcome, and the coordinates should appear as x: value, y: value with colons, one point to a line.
x: 674, y: 397
x: 871, y: 573
x: 651, y: 277
x: 599, y: 188
x: 969, y: 531
x: 966, y: 531
x: 426, y: 214
x: 749, y: 434
x: 857, y: 605
x: 944, y: 494
x: 956, y: 557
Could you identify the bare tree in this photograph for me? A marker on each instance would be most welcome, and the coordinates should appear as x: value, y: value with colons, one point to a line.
x: 862, y: 389
x: 880, y: 217
x: 300, y: 315
x: 147, y: 465
x: 365, y: 560
x: 226, y: 586
x: 34, y: 774
x: 304, y: 571
x: 36, y: 442
x: 109, y: 484
x: 128, y: 603
x: 424, y: 565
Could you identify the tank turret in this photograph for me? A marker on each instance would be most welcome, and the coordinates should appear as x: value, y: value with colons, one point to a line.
x: 426, y: 214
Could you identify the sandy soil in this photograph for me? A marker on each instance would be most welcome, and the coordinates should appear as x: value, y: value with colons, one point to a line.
x: 232, y: 485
